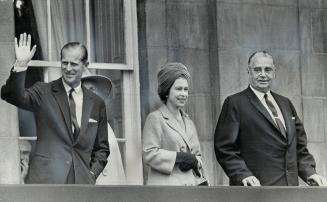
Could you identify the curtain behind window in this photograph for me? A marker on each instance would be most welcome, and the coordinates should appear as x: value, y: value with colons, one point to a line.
x: 68, y: 19
x: 68, y: 24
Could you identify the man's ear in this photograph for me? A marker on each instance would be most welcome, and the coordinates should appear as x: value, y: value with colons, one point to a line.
x: 275, y: 70
x: 86, y: 65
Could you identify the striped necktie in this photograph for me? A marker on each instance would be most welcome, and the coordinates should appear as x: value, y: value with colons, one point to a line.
x: 72, y: 107
x: 275, y: 114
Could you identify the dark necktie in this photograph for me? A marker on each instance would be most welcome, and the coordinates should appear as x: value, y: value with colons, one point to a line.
x: 275, y: 114
x: 72, y: 107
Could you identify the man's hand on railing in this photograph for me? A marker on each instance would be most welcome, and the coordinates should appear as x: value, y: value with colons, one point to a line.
x: 251, y: 181
x: 316, y: 180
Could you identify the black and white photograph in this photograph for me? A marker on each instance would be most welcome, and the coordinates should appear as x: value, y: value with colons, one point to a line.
x: 163, y: 100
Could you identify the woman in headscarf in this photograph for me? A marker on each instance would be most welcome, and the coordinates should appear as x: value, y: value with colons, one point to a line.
x: 171, y: 147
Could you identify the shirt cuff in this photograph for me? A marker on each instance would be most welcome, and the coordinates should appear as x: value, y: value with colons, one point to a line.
x: 19, y: 69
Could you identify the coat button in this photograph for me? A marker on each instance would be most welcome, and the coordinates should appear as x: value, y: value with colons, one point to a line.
x: 67, y: 162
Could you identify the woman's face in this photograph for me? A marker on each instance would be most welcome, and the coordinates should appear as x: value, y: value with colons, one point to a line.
x: 178, y: 93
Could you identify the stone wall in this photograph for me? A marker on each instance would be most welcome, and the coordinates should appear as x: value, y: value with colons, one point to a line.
x: 9, y: 155
x: 214, y: 38
x: 183, y: 31
x: 313, y: 60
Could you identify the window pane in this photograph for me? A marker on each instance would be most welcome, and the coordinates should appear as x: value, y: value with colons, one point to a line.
x: 114, y: 103
x: 41, y: 19
x: 68, y: 23
x: 114, y: 106
x: 107, y: 34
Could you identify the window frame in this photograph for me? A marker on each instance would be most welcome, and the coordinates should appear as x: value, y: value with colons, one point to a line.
x: 131, y: 113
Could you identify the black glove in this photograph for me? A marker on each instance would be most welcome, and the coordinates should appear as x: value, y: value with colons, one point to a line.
x: 186, y: 161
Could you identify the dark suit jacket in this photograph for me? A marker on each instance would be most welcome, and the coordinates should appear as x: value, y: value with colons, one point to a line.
x: 56, y: 150
x: 247, y: 142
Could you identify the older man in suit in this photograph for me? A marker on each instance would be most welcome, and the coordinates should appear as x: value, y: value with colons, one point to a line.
x: 259, y: 139
x: 72, y: 137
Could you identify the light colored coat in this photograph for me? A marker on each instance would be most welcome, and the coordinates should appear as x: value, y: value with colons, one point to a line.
x: 113, y: 173
x: 163, y: 137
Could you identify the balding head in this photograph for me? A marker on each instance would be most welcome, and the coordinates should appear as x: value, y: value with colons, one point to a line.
x: 256, y: 54
x: 261, y: 70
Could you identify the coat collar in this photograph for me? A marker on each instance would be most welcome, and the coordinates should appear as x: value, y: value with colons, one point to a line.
x: 254, y: 100
x: 67, y: 87
x: 167, y: 114
x: 60, y: 95
x: 172, y: 122
x: 282, y: 104
x: 86, y: 111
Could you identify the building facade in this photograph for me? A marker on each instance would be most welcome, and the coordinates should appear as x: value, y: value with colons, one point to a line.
x: 214, y: 39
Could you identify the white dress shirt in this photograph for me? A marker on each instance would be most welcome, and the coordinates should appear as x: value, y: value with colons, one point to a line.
x: 77, y: 95
x: 260, y: 96
x: 78, y: 98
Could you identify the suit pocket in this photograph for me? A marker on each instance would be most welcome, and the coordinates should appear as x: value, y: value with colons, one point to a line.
x: 42, y: 156
x: 92, y: 127
x: 92, y: 124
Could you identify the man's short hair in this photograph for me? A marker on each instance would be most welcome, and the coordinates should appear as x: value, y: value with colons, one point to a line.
x: 75, y: 45
x: 263, y: 53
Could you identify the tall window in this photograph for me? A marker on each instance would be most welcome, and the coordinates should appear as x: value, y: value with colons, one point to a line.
x: 109, y: 30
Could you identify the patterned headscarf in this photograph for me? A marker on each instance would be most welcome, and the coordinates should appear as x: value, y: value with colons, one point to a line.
x: 167, y: 76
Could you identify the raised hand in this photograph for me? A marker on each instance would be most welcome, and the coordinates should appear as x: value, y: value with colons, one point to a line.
x: 23, y: 50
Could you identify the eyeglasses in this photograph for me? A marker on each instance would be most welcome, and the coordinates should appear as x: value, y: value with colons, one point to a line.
x: 260, y: 70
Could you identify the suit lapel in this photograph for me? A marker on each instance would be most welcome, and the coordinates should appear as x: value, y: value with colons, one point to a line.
x: 259, y: 106
x: 86, y: 110
x: 286, y: 115
x: 172, y: 122
x: 188, y: 128
x: 62, y: 100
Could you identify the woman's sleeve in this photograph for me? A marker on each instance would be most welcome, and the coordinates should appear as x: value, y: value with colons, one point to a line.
x: 153, y: 155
